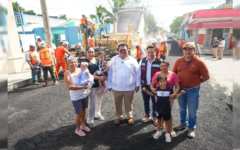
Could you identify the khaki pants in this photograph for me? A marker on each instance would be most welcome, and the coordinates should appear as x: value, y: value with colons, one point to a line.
x: 118, y: 97
x: 221, y: 49
x: 214, y: 51
x: 233, y: 52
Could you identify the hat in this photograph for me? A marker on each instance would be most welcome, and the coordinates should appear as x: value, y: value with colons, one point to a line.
x: 65, y: 43
x: 153, y: 41
x: 79, y: 44
x: 215, y: 38
x: 38, y: 37
x: 32, y: 45
x: 134, y: 44
x: 188, y: 45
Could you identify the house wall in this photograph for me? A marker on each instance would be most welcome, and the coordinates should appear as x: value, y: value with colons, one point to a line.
x: 201, y: 36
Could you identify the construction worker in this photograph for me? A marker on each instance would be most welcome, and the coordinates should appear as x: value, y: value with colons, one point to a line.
x: 181, y: 43
x: 39, y: 40
x: 163, y: 50
x: 154, y: 43
x: 47, y: 63
x: 59, y: 54
x: 79, y: 45
x: 84, y: 26
x: 32, y: 58
x: 140, y: 52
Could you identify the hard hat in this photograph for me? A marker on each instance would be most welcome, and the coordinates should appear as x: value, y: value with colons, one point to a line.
x: 79, y: 44
x: 153, y: 41
x: 134, y: 44
x: 38, y: 37
x: 31, y: 44
x: 65, y: 43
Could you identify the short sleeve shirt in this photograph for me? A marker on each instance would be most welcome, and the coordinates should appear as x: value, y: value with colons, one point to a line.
x: 222, y: 43
x: 163, y: 104
x: 215, y: 42
x: 28, y: 57
x: 172, y: 79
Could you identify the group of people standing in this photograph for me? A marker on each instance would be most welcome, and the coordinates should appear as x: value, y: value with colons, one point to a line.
x: 152, y: 76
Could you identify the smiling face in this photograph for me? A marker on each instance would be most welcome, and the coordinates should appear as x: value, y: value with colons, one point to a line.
x: 151, y: 53
x: 163, y: 83
x: 189, y: 52
x: 72, y: 64
x: 123, y: 51
x: 90, y: 53
x: 164, y: 67
x: 101, y: 58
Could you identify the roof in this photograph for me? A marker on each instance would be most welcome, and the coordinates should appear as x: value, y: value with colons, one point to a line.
x: 28, y: 27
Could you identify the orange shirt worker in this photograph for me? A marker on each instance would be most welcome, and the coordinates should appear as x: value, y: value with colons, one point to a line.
x: 191, y: 71
x: 59, y: 54
x: 181, y: 43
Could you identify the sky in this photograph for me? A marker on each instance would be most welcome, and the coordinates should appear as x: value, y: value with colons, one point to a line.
x: 164, y: 11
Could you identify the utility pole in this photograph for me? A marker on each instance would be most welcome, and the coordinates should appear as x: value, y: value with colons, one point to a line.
x: 46, y: 23
x: 20, y: 17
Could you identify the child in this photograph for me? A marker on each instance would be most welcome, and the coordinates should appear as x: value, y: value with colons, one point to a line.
x: 163, y: 108
x: 85, y: 77
x: 103, y: 68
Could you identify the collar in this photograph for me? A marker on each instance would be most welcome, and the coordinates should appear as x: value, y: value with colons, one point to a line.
x: 124, y: 58
x: 153, y: 59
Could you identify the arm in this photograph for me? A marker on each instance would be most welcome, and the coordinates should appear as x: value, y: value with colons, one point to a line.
x: 148, y: 92
x: 106, y: 69
x: 68, y: 82
x: 180, y: 94
x: 177, y: 88
x: 152, y: 87
x: 203, y: 79
x: 30, y: 64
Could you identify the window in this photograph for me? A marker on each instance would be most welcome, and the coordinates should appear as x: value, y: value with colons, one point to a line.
x: 18, y: 21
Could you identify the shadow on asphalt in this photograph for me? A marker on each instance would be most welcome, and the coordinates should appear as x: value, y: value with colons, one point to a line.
x: 104, y: 136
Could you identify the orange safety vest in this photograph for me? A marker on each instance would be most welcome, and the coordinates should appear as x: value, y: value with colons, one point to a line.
x: 181, y: 43
x: 83, y: 21
x: 45, y: 57
x: 60, y: 52
x: 33, y: 57
x: 138, y: 52
x: 162, y: 48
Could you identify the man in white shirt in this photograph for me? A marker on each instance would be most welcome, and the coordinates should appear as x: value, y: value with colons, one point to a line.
x: 221, y: 48
x: 123, y: 80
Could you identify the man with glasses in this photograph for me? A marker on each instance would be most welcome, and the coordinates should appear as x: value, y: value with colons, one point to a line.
x: 192, y: 72
x: 123, y: 80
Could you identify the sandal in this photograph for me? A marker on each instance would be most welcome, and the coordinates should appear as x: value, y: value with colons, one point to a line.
x: 173, y: 134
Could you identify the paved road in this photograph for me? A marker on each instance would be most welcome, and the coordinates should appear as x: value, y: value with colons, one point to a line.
x: 43, y: 118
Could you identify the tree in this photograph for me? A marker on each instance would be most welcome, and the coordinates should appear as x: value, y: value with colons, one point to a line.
x: 174, y: 27
x: 64, y: 16
x: 101, y: 12
x: 15, y: 8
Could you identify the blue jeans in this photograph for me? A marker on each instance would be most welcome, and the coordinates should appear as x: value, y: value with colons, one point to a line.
x: 146, y: 99
x: 36, y: 75
x: 189, y: 100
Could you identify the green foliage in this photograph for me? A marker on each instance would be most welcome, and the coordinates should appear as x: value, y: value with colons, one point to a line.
x: 15, y: 8
x: 29, y: 11
x: 101, y: 12
x: 64, y: 16
x: 175, y: 24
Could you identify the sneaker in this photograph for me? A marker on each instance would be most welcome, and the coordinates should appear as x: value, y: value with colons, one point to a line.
x: 91, y: 125
x: 36, y: 83
x: 85, y: 128
x: 191, y: 133
x: 168, y: 138
x: 173, y: 134
x: 146, y: 118
x: 179, y: 127
x: 101, y: 118
x: 117, y: 122
x: 40, y: 80
x: 99, y: 91
x: 130, y: 122
x: 104, y: 90
x: 157, y: 135
x: 45, y: 84
x: 55, y: 83
x: 80, y: 132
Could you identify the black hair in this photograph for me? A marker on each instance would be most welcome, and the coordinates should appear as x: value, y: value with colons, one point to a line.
x: 161, y: 77
x: 89, y: 48
x: 122, y: 44
x: 102, y: 53
x: 150, y: 46
x: 165, y: 61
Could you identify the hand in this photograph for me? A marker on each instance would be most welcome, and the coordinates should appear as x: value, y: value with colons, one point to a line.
x: 137, y: 89
x: 172, y: 96
x: 31, y: 67
x: 144, y: 89
x: 153, y: 90
x: 85, y: 87
x: 109, y: 90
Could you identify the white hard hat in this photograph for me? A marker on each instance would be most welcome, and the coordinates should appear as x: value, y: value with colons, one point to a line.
x: 31, y: 44
x: 38, y: 37
x: 134, y: 44
x: 153, y: 40
x: 65, y: 43
x: 79, y: 44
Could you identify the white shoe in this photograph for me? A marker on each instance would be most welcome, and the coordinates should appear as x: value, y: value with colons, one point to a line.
x: 168, y: 138
x: 157, y: 135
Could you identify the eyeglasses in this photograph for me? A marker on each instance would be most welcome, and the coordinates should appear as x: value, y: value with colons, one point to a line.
x: 123, y: 50
x: 185, y: 66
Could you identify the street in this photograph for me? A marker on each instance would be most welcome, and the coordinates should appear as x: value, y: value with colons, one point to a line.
x: 44, y: 118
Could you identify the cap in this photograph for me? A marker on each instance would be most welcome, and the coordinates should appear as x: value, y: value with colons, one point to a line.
x: 215, y: 38
x: 65, y: 43
x: 32, y: 45
x: 188, y: 45
x: 79, y: 44
x: 38, y: 37
x: 153, y: 40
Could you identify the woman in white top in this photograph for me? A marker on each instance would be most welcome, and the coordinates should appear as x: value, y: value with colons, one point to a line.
x: 78, y: 95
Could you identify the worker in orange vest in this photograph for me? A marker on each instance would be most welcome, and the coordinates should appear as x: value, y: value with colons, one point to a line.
x: 154, y: 43
x: 59, y: 54
x: 32, y: 58
x: 47, y: 63
x: 84, y: 25
x: 140, y: 51
x: 181, y: 43
x: 163, y: 50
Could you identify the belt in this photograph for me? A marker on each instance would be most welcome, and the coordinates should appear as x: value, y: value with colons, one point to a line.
x: 190, y: 88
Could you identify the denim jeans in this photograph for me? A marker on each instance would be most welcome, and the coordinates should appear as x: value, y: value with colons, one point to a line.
x: 36, y: 74
x: 189, y: 101
x: 146, y: 99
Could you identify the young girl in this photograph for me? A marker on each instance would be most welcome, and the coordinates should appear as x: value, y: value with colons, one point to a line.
x: 85, y: 77
x: 163, y: 108
x: 103, y: 68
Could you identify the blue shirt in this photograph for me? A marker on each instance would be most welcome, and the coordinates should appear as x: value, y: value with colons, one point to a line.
x: 215, y: 42
x: 163, y: 104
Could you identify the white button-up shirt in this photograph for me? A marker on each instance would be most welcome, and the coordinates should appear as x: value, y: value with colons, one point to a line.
x: 123, y: 74
x: 148, y: 72
x: 222, y: 43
